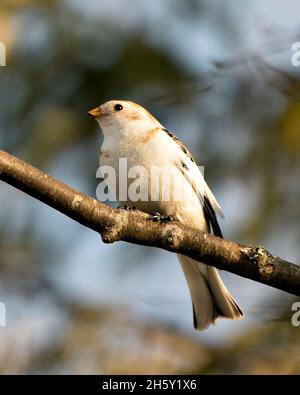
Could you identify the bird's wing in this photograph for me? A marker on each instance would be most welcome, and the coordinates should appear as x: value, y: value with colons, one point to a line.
x: 195, y: 177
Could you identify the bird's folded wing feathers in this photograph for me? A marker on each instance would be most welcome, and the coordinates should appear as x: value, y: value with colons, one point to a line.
x: 195, y: 177
x: 206, y: 197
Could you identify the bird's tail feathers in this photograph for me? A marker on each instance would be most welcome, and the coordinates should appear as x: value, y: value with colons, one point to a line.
x: 210, y: 298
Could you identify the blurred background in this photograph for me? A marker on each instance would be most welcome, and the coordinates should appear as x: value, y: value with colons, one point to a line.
x: 217, y: 74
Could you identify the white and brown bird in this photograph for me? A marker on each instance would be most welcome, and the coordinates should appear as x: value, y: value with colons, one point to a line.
x: 131, y: 132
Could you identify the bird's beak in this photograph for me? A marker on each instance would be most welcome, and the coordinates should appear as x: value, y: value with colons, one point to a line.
x: 96, y: 112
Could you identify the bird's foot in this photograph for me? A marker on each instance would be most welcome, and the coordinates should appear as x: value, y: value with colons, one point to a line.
x: 157, y: 217
x: 126, y: 207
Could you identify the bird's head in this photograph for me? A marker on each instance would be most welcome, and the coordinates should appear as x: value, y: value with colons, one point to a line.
x: 120, y: 116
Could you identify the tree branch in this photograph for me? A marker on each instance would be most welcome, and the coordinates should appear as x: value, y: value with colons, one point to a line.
x: 255, y: 263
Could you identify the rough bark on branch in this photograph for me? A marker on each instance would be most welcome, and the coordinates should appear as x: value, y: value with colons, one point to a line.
x: 252, y: 262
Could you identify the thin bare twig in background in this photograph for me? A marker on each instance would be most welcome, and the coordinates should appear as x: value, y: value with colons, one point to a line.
x: 279, y: 79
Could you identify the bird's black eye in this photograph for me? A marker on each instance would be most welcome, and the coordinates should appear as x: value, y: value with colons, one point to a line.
x: 118, y: 107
